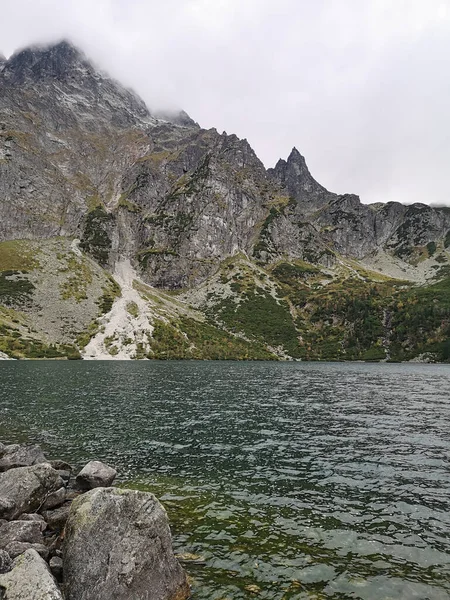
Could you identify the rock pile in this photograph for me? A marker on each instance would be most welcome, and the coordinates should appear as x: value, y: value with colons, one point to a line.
x: 78, y: 538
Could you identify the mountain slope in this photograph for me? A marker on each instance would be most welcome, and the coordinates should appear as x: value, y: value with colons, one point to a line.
x: 266, y: 263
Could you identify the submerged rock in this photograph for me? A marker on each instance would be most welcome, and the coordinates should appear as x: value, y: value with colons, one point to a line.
x: 16, y: 455
x: 118, y: 545
x: 29, y: 579
x: 95, y: 474
x: 25, y: 489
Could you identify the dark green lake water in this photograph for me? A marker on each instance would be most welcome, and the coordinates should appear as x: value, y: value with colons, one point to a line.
x: 307, y: 480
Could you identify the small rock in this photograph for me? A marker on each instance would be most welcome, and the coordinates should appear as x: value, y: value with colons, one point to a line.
x: 55, y: 499
x: 56, y: 518
x: 5, y: 562
x: 65, y: 475
x: 20, y: 531
x: 95, y: 474
x: 33, y: 517
x: 61, y: 465
x: 16, y: 455
x: 56, y: 567
x: 25, y: 489
x: 15, y: 549
x: 29, y: 579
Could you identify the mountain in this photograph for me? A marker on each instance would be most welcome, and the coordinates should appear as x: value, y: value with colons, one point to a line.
x: 129, y: 232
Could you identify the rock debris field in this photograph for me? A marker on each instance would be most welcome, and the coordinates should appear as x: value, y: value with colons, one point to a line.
x: 78, y: 538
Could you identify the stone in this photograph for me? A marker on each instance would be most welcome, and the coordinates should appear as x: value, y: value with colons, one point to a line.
x: 65, y: 475
x: 61, y: 465
x: 56, y: 567
x: 20, y: 531
x: 33, y: 517
x: 25, y: 489
x: 56, y: 518
x: 95, y: 474
x: 15, y: 549
x: 17, y: 455
x: 29, y: 579
x: 5, y: 562
x: 55, y: 499
x: 118, y: 545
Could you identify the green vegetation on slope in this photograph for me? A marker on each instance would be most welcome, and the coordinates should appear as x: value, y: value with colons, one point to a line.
x: 95, y: 240
x: 188, y: 338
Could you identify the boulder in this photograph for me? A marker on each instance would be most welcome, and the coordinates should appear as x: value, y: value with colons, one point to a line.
x: 118, y: 545
x: 61, y: 465
x: 5, y: 562
x: 29, y: 579
x: 20, y: 531
x: 56, y: 567
x: 56, y: 519
x: 55, y: 499
x: 95, y: 474
x: 15, y: 549
x: 33, y: 517
x: 17, y: 455
x: 26, y: 489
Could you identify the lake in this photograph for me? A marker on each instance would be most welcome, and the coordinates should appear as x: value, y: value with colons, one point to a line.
x: 284, y: 480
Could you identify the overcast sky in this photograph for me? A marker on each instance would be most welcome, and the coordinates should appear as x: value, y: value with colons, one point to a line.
x: 360, y: 87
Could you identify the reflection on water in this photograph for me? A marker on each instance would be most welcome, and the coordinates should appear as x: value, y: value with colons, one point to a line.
x: 293, y: 480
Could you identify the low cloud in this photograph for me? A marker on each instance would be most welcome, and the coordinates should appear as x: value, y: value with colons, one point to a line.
x: 361, y: 88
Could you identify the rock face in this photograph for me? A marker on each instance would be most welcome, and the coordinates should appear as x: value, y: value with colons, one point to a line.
x: 29, y: 579
x: 26, y: 489
x: 173, y: 198
x: 95, y: 474
x: 118, y: 545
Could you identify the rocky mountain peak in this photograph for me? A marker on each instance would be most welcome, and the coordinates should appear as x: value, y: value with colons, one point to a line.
x: 177, y: 117
x: 293, y: 174
x: 59, y: 61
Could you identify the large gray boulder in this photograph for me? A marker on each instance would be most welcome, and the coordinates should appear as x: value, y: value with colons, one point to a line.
x: 25, y: 489
x: 29, y: 579
x: 118, y: 546
x: 95, y: 474
x: 16, y: 455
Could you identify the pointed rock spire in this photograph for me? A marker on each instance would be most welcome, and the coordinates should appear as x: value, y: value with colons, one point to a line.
x: 294, y: 175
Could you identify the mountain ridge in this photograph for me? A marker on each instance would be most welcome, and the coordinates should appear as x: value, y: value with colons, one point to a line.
x: 82, y: 157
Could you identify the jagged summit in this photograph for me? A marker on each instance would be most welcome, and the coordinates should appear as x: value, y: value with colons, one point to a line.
x: 293, y: 174
x: 57, y: 61
x: 63, y: 62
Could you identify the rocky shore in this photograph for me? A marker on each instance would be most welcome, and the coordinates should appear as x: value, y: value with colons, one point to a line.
x: 75, y: 537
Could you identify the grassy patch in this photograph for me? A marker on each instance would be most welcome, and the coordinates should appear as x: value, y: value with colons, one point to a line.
x: 78, y: 279
x: 15, y: 289
x: 111, y: 291
x: 15, y: 345
x: 191, y: 339
x: 18, y: 255
x: 133, y: 309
